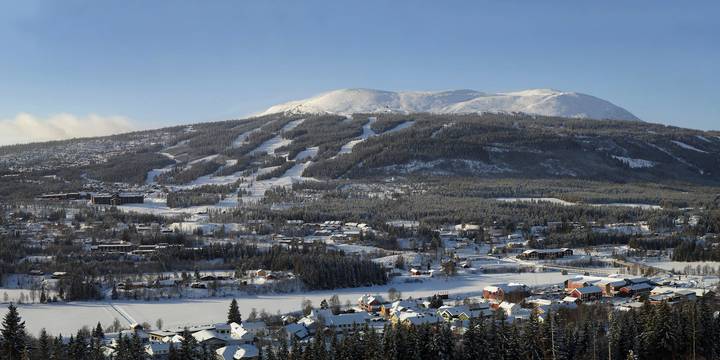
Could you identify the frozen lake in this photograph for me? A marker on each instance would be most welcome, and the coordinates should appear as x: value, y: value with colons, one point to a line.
x: 67, y: 318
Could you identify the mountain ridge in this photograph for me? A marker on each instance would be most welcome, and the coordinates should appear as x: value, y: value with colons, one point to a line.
x: 541, y: 101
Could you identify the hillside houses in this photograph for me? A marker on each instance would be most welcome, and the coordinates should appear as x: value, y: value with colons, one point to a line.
x: 227, y: 341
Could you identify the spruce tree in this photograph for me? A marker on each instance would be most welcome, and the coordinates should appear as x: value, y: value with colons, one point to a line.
x: 14, y: 339
x: 44, y: 345
x: 445, y: 343
x: 234, y: 313
x: 187, y: 346
x: 283, y: 352
x: 172, y: 353
x: 98, y: 332
x: 96, y: 350
x: 137, y: 350
x: 43, y: 296
x: 58, y: 348
x: 532, y: 338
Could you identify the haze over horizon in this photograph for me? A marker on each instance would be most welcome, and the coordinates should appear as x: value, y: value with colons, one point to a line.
x: 80, y: 68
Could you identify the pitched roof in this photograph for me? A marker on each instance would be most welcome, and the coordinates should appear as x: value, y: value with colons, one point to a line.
x: 236, y: 352
x: 589, y: 290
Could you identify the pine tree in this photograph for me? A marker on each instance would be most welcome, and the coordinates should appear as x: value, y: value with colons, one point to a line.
x: 79, y: 348
x: 207, y: 353
x: 13, y: 335
x: 137, y: 350
x: 58, y: 349
x: 513, y: 347
x: 531, y: 338
x: 664, y: 329
x: 296, y: 351
x: 187, y: 346
x: 96, y: 350
x: 98, y: 332
x: 172, y: 353
x: 234, y: 313
x: 283, y: 352
x: 269, y: 354
x: 319, y: 346
x: 445, y: 343
x: 372, y: 343
x: 43, y: 296
x: 44, y: 345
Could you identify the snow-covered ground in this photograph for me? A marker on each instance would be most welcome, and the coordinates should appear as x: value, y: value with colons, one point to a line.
x: 242, y: 138
x: 67, y: 318
x: 635, y: 163
x: 533, y: 101
x: 215, y: 180
x: 438, y: 131
x: 269, y: 146
x: 641, y: 206
x: 154, y: 173
x: 542, y: 199
x: 569, y: 203
x: 401, y: 126
x: 257, y: 188
x: 367, y: 132
x: 308, y: 153
x: 687, y: 146
x: 203, y: 159
x: 679, y: 266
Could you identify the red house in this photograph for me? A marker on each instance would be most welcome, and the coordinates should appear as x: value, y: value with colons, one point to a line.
x: 588, y: 293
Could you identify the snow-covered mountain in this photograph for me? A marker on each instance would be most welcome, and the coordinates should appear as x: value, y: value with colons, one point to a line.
x: 547, y: 102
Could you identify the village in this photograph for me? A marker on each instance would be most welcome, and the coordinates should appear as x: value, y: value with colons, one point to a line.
x: 510, y: 302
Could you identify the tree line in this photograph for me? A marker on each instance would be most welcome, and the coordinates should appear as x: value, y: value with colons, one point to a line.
x: 689, y: 331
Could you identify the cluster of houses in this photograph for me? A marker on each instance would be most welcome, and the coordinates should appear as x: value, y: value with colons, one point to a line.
x: 227, y: 341
x: 341, y: 231
x: 593, y: 288
x: 374, y: 311
x: 206, y: 281
x: 105, y: 198
x: 516, y: 301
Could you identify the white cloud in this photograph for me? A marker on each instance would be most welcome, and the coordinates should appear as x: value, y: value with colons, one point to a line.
x: 25, y: 128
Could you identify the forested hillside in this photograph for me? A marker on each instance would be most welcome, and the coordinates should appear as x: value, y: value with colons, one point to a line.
x: 503, y: 145
x: 374, y: 147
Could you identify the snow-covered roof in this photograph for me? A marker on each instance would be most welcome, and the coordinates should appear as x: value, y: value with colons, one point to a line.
x: 298, y: 330
x: 205, y: 335
x: 347, y: 319
x: 589, y: 290
x: 236, y: 352
x: 509, y: 287
x: 155, y: 348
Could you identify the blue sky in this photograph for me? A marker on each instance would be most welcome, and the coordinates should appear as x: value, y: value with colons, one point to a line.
x: 170, y: 62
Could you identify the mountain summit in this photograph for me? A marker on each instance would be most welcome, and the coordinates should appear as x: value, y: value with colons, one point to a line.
x: 546, y: 102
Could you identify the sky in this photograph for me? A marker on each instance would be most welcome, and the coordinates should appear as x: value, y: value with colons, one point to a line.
x: 74, y: 68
